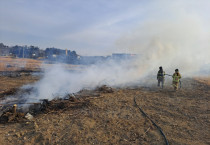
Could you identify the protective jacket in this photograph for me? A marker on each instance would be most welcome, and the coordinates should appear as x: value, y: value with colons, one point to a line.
x: 176, y: 77
x: 160, y: 74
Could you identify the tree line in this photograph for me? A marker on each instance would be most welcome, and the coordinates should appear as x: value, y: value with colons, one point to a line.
x: 34, y: 52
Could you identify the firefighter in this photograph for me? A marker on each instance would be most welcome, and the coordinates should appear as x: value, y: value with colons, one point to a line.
x: 176, y: 77
x: 161, y: 76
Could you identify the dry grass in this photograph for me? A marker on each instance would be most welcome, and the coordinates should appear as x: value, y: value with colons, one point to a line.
x: 112, y: 118
x: 15, y: 64
x: 8, y: 83
x: 205, y: 80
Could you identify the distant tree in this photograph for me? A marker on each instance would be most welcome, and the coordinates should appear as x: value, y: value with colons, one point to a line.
x: 54, y: 54
x: 72, y: 57
x: 4, y: 50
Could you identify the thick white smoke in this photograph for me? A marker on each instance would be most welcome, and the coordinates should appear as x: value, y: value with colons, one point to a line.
x: 183, y: 45
x: 176, y: 35
x: 58, y: 81
x: 173, y: 36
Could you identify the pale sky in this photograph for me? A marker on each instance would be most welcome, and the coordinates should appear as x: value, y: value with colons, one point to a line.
x: 90, y: 27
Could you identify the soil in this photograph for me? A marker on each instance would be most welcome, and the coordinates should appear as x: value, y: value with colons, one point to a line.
x: 110, y: 116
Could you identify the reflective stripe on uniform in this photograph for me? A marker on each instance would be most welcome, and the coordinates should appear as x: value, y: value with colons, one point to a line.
x: 176, y: 77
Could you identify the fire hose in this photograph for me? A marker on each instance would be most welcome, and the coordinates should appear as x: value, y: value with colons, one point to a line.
x: 166, y: 141
x: 168, y: 75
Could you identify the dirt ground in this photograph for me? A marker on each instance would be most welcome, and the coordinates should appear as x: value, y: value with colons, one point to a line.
x: 110, y: 116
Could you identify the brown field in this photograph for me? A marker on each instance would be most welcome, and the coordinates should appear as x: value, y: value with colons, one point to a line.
x: 15, y: 64
x: 9, y: 84
x: 18, y: 64
x: 205, y: 80
x: 106, y: 117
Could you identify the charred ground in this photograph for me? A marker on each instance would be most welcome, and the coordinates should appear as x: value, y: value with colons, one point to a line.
x: 109, y: 116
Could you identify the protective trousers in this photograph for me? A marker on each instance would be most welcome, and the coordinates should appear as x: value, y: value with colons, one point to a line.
x: 161, y: 81
x: 175, y: 85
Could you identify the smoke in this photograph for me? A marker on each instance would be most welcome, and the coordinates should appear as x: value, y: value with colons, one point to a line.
x: 59, y: 81
x: 173, y: 45
x: 175, y: 36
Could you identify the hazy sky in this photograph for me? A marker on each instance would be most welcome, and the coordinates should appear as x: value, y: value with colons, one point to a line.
x: 91, y: 27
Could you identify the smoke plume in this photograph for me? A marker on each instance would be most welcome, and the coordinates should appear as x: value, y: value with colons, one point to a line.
x: 173, y: 35
x: 58, y: 81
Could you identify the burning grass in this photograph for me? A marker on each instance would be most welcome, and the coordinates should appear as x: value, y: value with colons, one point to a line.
x: 10, y: 85
x: 108, y: 116
x: 15, y: 113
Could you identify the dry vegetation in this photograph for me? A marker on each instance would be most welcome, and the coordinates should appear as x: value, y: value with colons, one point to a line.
x: 109, y: 116
x: 205, y: 80
x: 15, y: 64
x: 11, y: 84
x: 19, y: 64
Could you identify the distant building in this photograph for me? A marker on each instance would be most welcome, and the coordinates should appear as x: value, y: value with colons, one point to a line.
x: 91, y: 59
x: 122, y: 56
x: 60, y: 55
